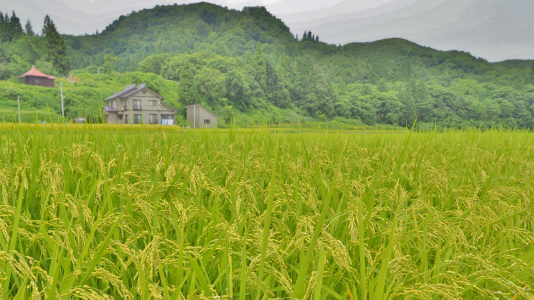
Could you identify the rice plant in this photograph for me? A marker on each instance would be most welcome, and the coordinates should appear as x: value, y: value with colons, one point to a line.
x: 98, y: 212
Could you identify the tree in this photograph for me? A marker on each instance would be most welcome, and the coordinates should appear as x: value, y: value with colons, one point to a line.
x: 16, y: 28
x: 4, y: 23
x: 305, y: 87
x: 478, y: 110
x: 10, y: 28
x: 172, y: 68
x: 187, y: 88
x: 423, y: 102
x: 388, y: 108
x: 226, y: 114
x: 507, y: 109
x: 109, y: 63
x: 409, y: 110
x: 287, y: 75
x: 29, y: 29
x: 325, y: 95
x: 154, y: 63
x: 211, y: 84
x: 342, y: 105
x: 531, y: 75
x: 275, y: 90
x: 238, y: 89
x: 260, y: 68
x: 308, y: 36
x: 365, y: 109
x: 405, y: 71
x: 57, y: 51
x: 493, y: 109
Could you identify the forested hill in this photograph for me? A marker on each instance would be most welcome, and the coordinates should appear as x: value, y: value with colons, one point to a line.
x: 249, y: 63
x: 181, y: 29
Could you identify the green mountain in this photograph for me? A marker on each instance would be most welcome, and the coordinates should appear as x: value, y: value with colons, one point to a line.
x: 180, y: 29
x: 247, y: 63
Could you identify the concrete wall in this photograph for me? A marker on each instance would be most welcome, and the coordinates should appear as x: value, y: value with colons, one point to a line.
x: 198, y: 117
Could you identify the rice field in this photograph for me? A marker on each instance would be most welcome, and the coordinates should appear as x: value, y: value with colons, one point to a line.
x: 94, y: 212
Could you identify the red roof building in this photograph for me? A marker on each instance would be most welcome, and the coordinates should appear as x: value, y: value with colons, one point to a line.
x: 35, y: 77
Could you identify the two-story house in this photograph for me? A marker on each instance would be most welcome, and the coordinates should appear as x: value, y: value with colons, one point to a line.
x: 138, y: 105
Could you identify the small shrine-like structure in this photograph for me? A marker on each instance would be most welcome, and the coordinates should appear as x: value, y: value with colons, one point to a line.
x: 35, y: 77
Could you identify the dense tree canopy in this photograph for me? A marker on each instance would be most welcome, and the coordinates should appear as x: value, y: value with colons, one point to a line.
x: 10, y: 27
x: 57, y: 53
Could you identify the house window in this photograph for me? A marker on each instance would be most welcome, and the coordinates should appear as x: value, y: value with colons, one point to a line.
x: 144, y: 91
x: 120, y: 117
x: 153, y: 119
x: 167, y: 119
x: 152, y: 102
x: 207, y: 121
x: 37, y: 80
x: 137, y: 119
x: 126, y: 119
x: 137, y: 104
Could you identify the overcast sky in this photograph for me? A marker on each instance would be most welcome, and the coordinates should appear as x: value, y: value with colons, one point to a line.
x: 492, y: 29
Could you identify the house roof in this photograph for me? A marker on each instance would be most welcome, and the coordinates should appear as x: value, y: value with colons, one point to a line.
x: 129, y: 90
x: 34, y: 72
x: 110, y: 109
x: 199, y: 105
x: 163, y: 104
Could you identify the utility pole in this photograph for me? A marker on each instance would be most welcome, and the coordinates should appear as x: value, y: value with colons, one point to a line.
x: 62, y: 108
x: 18, y: 101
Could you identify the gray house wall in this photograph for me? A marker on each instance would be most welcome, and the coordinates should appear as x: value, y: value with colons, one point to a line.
x: 127, y: 106
x: 199, y: 117
x: 111, y: 118
x: 126, y: 111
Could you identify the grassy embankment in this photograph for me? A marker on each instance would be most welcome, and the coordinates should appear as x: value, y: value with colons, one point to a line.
x: 93, y: 212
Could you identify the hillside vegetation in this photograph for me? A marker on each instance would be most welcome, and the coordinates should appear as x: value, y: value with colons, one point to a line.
x: 247, y: 63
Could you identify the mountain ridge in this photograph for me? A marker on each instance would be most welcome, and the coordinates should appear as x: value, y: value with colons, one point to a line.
x: 206, y: 9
